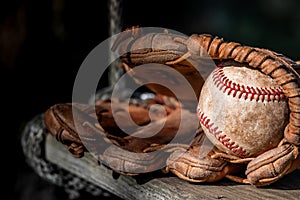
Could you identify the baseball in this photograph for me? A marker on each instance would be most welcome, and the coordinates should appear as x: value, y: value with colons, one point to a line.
x: 242, y: 111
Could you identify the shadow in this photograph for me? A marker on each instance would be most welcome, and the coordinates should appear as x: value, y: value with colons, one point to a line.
x: 144, y: 178
x: 288, y: 182
x: 141, y: 178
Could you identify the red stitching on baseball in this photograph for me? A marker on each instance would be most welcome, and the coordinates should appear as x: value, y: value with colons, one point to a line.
x: 232, y: 146
x: 264, y: 94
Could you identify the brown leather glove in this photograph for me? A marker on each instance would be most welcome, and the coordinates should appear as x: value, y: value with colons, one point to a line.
x: 182, y: 54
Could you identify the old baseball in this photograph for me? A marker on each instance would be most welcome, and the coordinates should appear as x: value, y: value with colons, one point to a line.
x: 242, y: 111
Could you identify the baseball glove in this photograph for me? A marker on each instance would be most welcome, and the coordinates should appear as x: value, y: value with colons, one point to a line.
x: 191, y: 57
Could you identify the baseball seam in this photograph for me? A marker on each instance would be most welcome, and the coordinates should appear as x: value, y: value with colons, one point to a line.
x: 223, y: 83
x: 220, y: 136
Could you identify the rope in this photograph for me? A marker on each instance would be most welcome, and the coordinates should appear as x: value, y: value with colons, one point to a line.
x: 115, y: 14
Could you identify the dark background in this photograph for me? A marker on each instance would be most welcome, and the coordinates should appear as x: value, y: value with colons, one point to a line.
x: 43, y: 43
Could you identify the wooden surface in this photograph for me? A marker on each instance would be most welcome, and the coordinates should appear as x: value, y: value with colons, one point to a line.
x: 166, y: 186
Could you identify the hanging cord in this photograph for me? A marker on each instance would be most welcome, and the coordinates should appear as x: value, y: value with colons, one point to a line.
x: 115, y: 14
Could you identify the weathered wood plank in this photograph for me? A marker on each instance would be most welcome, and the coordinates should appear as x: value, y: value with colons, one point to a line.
x: 166, y: 186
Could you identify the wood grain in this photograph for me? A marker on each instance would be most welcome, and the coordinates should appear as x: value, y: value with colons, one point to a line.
x: 166, y: 186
